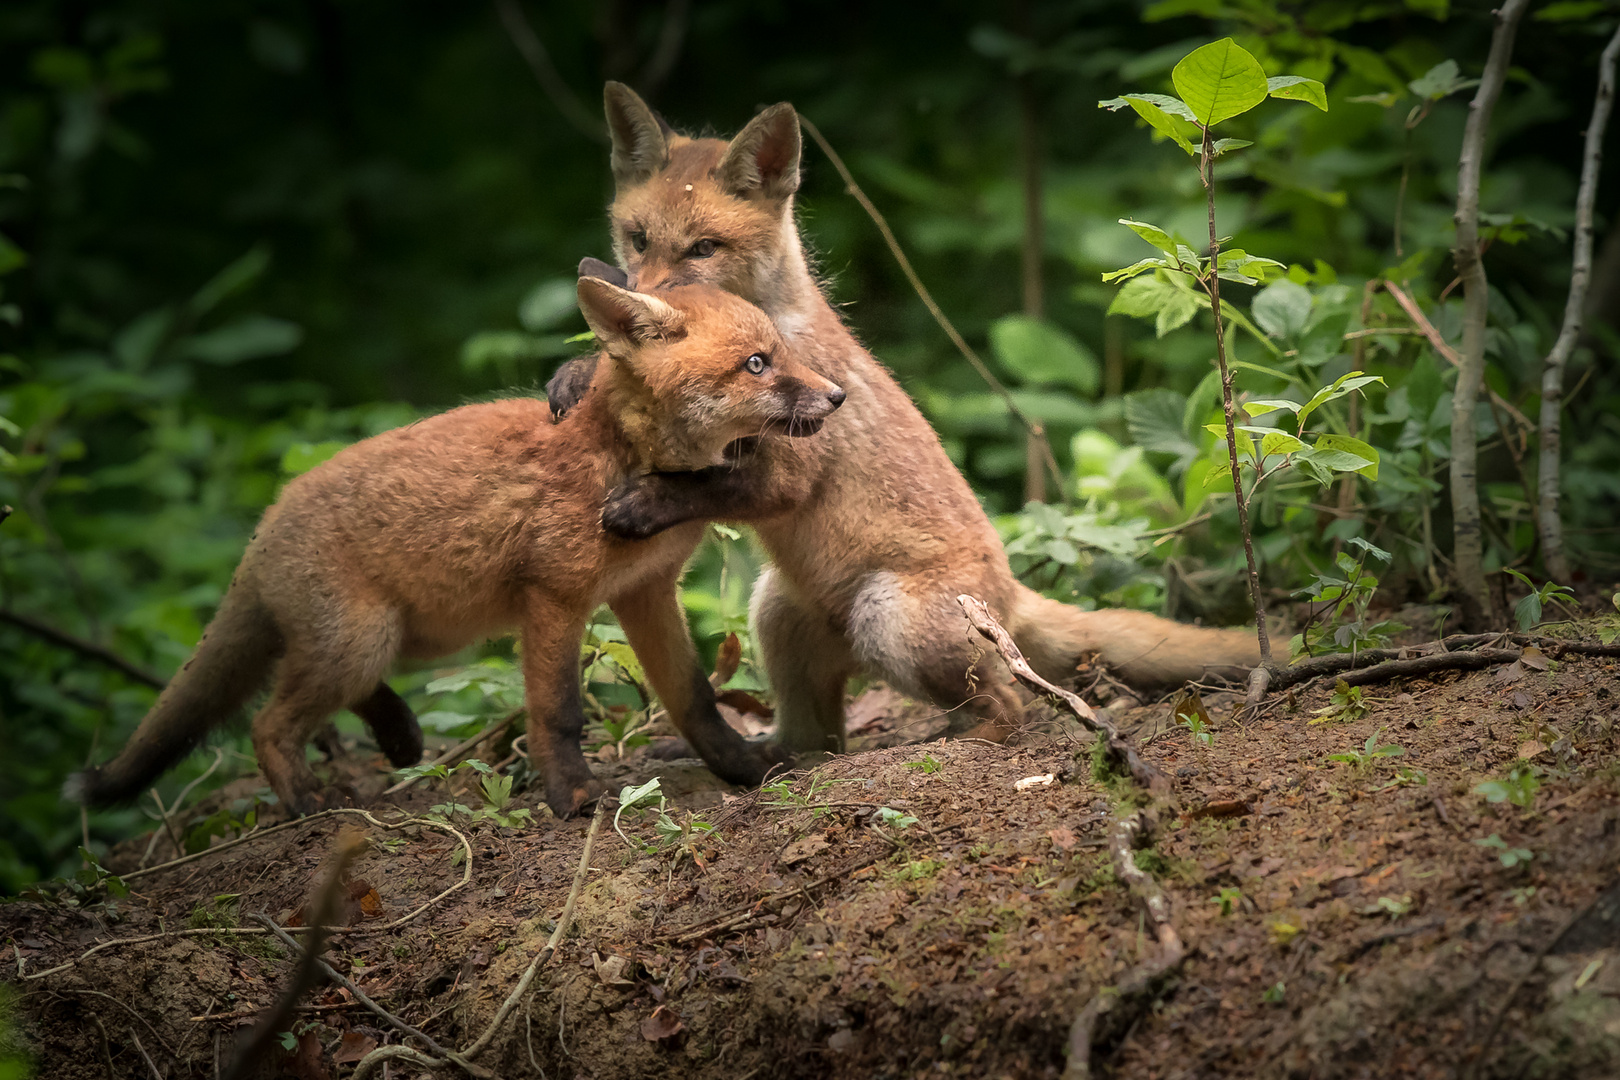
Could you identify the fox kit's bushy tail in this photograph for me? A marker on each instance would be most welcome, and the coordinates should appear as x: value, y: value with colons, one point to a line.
x: 1142, y: 649
x: 232, y: 661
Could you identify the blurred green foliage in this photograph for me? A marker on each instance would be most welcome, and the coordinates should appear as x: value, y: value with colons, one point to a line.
x: 237, y: 236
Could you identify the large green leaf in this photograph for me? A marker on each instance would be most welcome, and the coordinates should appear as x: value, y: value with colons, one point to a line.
x: 1219, y: 81
x: 1282, y: 309
x: 1167, y: 304
x: 1164, y: 114
x: 1043, y: 354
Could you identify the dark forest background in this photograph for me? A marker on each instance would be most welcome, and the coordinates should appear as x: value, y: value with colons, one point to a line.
x: 236, y: 235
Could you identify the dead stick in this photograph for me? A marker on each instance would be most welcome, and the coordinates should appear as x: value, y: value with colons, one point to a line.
x: 1427, y: 329
x: 1122, y: 754
x: 1121, y: 1005
x: 306, y: 972
x: 150, y: 1064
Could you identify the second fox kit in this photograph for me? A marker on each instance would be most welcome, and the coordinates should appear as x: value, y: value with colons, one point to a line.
x: 872, y: 529
x: 422, y: 540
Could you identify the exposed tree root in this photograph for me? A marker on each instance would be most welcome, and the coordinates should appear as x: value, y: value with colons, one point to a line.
x: 1114, y: 1008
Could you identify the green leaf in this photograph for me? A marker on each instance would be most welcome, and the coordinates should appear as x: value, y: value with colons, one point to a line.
x: 1279, y: 442
x: 1222, y: 146
x: 1344, y: 384
x: 1238, y: 265
x: 1139, y: 268
x: 1152, y: 234
x: 1166, y: 115
x: 1283, y: 309
x: 1219, y: 81
x: 1043, y: 354
x: 1168, y: 304
x: 232, y: 280
x: 250, y: 338
x: 1332, y: 461
x: 1261, y: 406
x: 1528, y: 611
x: 1442, y: 80
x: 548, y: 304
x: 1298, y: 88
x: 1352, y: 446
x: 630, y: 797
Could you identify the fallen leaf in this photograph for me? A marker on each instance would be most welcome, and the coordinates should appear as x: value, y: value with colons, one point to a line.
x: 306, y: 1060
x: 803, y: 848
x: 662, y: 1025
x: 1044, y: 780
x: 746, y: 724
x: 1268, y: 866
x: 871, y: 707
x: 1220, y: 808
x: 1062, y: 838
x: 1533, y: 658
x: 371, y: 905
x: 1531, y: 749
x: 613, y: 970
x: 1189, y: 706
x: 354, y: 1045
x: 1510, y: 673
x: 726, y: 660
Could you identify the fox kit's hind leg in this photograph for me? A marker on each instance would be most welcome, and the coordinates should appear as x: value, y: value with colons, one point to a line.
x: 913, y: 634
x: 331, y: 663
x: 808, y: 662
x: 656, y: 628
x: 551, y: 636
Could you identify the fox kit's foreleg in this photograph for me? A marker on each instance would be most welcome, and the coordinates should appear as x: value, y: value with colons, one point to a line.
x: 552, y: 632
x: 756, y: 487
x: 807, y: 661
x: 392, y: 724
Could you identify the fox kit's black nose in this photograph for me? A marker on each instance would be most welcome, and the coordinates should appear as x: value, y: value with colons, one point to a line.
x: 836, y: 396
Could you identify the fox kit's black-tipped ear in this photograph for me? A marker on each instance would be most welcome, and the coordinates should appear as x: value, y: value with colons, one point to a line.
x: 596, y: 268
x: 764, y: 157
x: 622, y: 319
x: 640, y: 138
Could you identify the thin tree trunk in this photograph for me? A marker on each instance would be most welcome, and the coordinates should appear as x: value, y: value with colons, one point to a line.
x: 1548, y: 520
x: 1029, y: 145
x: 1477, y: 605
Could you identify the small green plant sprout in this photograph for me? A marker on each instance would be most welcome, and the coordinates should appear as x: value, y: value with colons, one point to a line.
x: 498, y: 808
x: 1214, y: 84
x: 1511, y: 857
x: 1348, y: 595
x: 91, y: 886
x: 1529, y: 610
x: 1519, y: 787
x: 928, y: 765
x: 1392, y: 906
x: 1275, y: 993
x: 1405, y: 777
x: 681, y: 836
x: 1190, y: 713
x: 1369, y: 753
x: 1522, y: 896
x: 1282, y: 933
x: 888, y: 815
x: 1346, y: 703
x: 1228, y: 899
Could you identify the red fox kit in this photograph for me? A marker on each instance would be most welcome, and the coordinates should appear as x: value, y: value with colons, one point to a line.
x: 425, y: 539
x: 872, y: 530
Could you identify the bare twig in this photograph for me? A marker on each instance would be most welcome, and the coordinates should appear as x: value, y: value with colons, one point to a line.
x: 429, y: 823
x: 1467, y: 557
x: 1118, y: 1007
x: 377, y: 1010
x: 1212, y: 285
x: 1034, y: 427
x: 533, y: 51
x: 88, y: 649
x: 150, y: 1064
x: 1550, y: 522
x: 1122, y: 754
x: 1421, y: 322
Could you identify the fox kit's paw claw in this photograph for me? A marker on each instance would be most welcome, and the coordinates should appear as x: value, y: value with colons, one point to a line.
x: 569, y: 802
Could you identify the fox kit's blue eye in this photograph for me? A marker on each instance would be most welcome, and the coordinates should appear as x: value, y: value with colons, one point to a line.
x: 702, y: 249
x: 638, y: 240
x: 756, y: 364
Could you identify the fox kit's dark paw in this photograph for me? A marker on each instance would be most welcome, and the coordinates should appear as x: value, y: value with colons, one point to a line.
x: 628, y: 511
x: 568, y: 385
x: 569, y: 801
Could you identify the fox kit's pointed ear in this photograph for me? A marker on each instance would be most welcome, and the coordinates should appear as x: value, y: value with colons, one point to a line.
x: 622, y: 320
x: 764, y: 157
x: 640, y: 138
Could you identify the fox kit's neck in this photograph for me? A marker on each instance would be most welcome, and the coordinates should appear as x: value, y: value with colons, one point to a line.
x: 787, y: 291
x: 648, y: 434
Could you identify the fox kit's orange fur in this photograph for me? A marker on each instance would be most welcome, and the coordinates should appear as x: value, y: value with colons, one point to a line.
x: 872, y: 530
x: 422, y: 540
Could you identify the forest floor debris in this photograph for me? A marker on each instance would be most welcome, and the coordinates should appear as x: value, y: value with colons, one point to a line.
x: 908, y: 909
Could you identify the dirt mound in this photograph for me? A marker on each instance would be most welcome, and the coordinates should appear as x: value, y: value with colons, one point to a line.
x: 944, y: 907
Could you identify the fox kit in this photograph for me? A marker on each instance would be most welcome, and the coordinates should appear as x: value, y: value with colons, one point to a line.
x: 425, y: 539
x: 872, y: 530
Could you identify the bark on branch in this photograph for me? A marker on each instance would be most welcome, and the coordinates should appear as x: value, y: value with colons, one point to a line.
x: 1549, y: 521
x: 1466, y: 548
x: 88, y: 649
